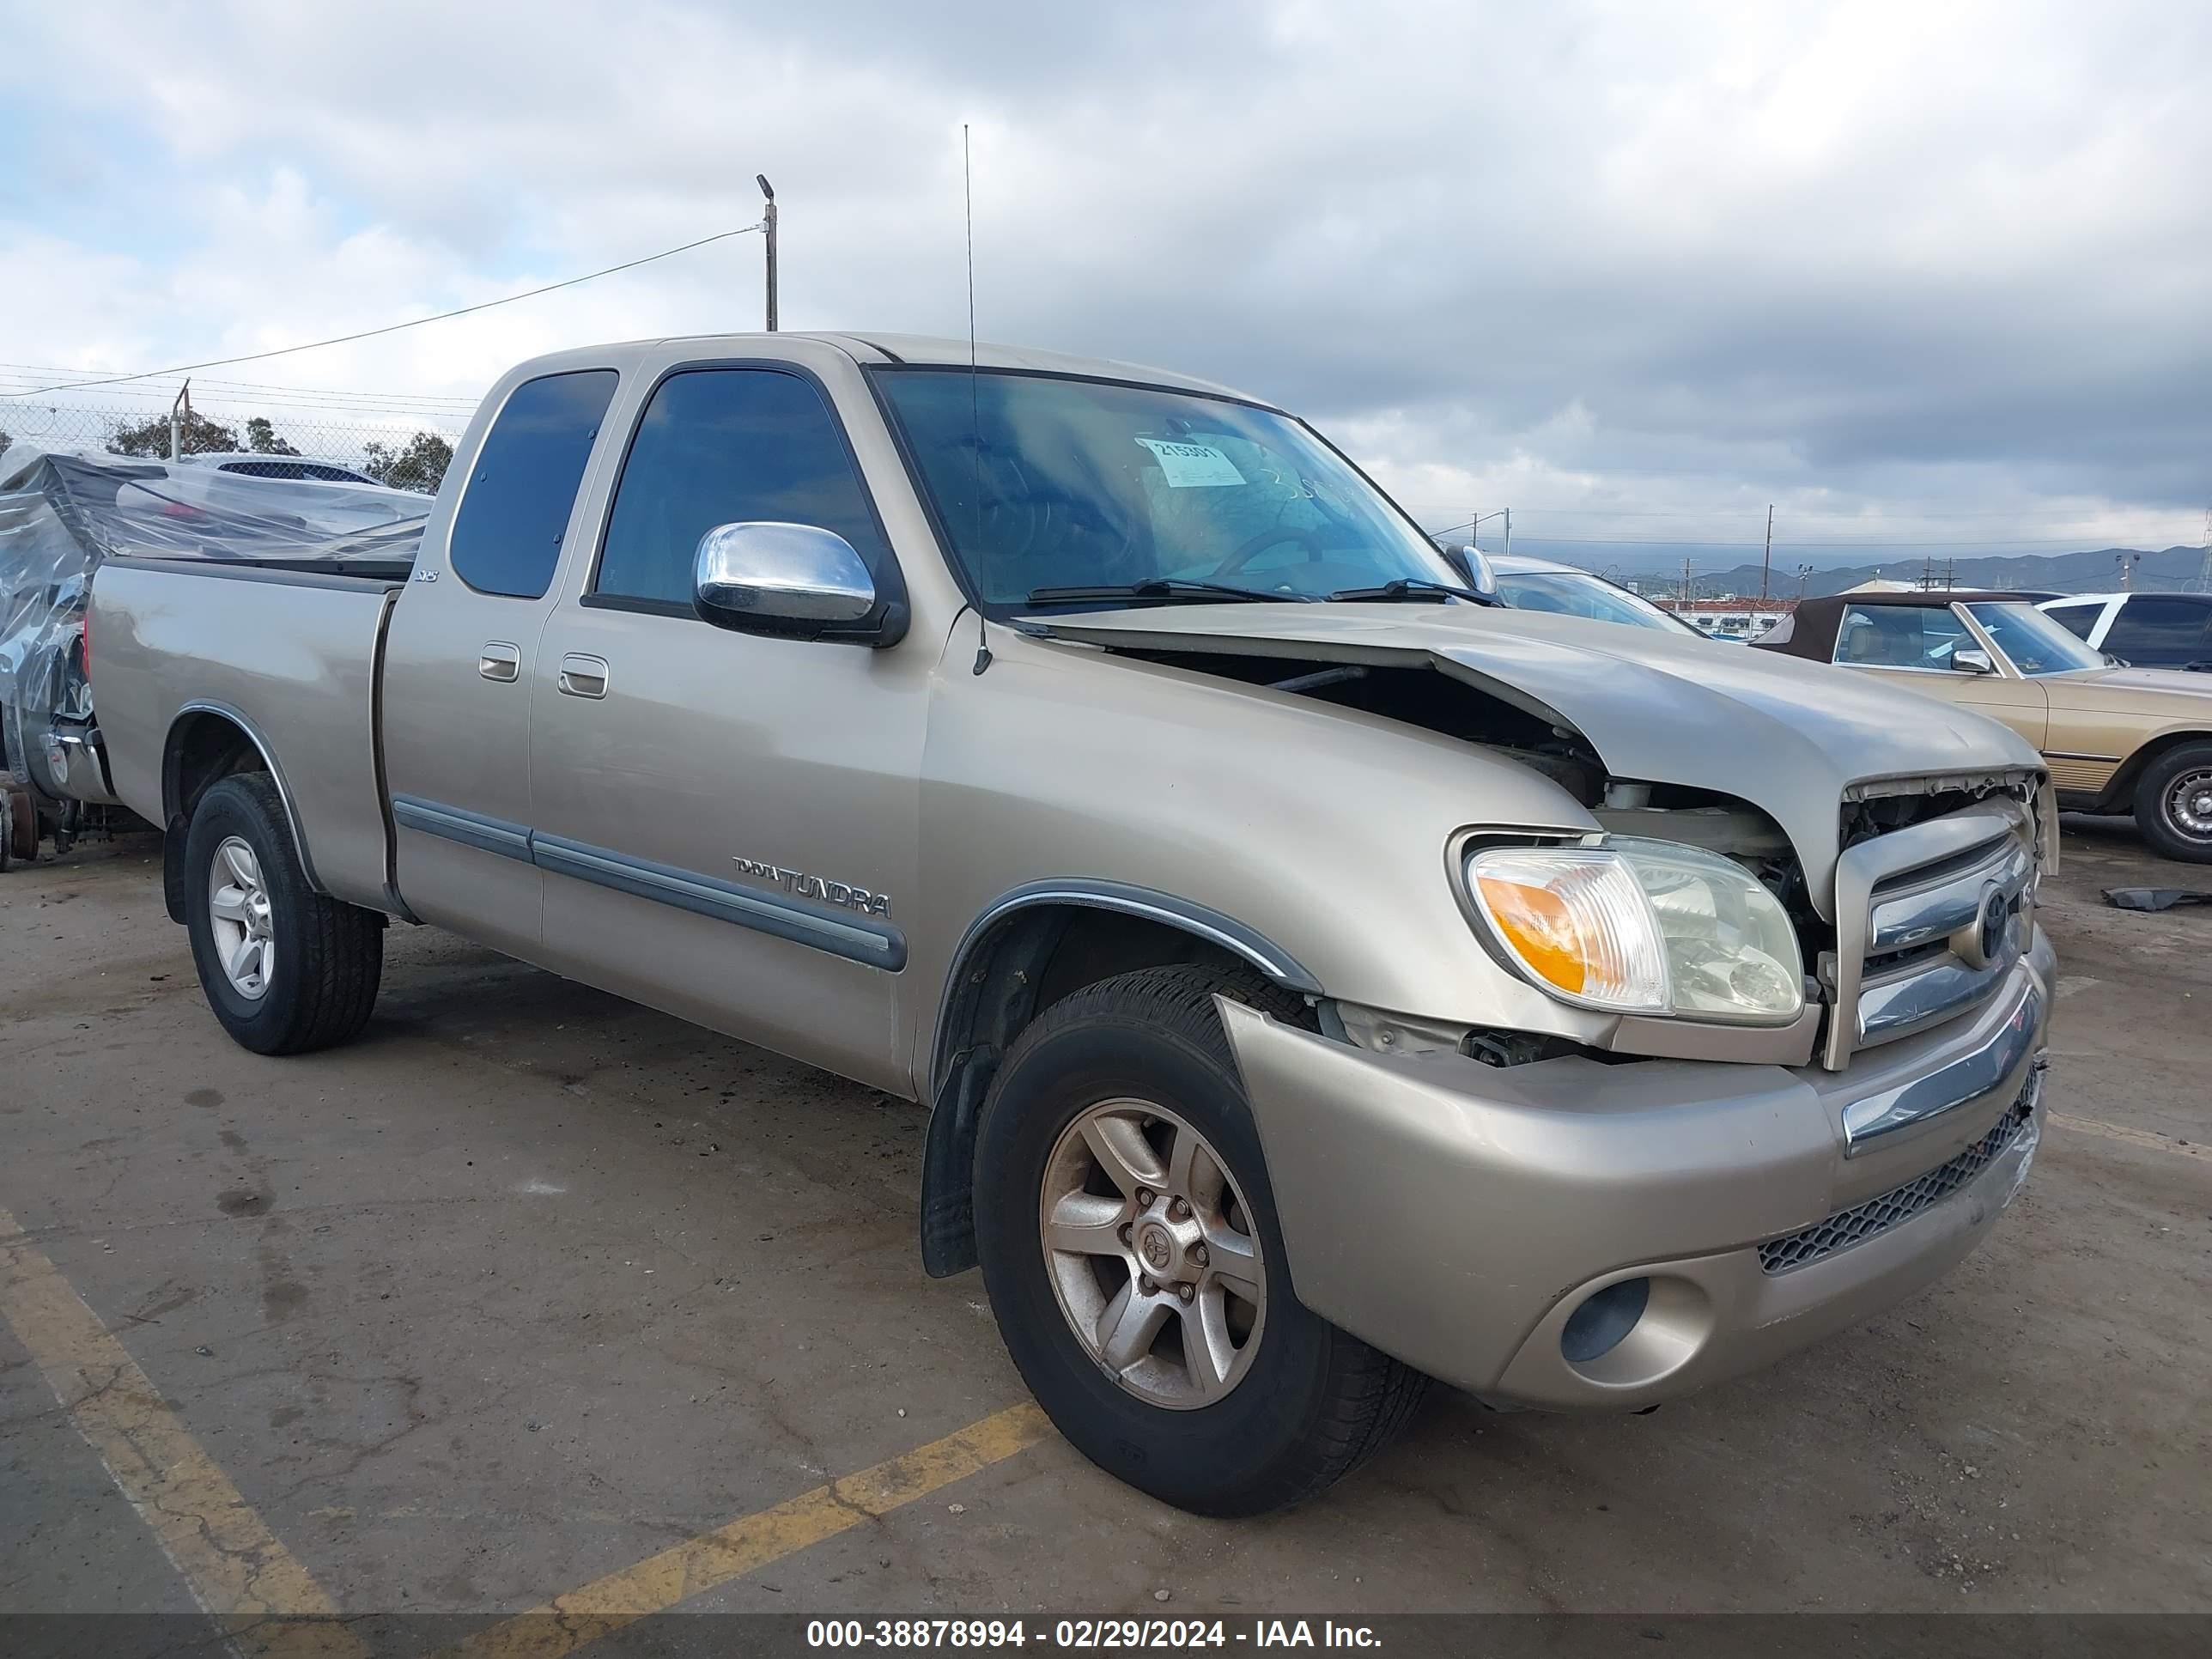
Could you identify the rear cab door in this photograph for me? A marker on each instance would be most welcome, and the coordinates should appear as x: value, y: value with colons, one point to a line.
x: 728, y: 823
x: 459, y: 657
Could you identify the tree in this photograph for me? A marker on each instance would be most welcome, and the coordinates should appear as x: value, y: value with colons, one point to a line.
x: 261, y: 437
x: 420, y: 463
x: 150, y: 439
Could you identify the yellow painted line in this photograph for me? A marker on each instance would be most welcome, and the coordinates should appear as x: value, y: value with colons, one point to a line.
x: 237, y: 1570
x: 2089, y: 1125
x: 567, y: 1622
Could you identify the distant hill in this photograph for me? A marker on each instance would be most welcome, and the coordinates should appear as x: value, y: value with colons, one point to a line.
x: 2092, y: 572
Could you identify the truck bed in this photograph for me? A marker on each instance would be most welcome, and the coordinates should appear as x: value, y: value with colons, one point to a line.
x: 291, y: 655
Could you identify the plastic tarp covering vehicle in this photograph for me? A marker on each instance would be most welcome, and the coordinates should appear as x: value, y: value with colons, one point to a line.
x: 63, y: 513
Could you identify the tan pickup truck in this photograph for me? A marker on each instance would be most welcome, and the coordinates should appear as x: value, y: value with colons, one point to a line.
x: 1321, y: 979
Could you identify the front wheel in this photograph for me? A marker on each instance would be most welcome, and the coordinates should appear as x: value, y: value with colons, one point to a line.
x: 1128, y: 1240
x: 2174, y: 803
x: 284, y: 968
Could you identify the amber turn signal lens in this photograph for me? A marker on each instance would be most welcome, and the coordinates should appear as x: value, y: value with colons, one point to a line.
x: 1537, y: 925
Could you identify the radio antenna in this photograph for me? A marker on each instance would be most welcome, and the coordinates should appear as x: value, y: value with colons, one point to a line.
x: 974, y: 399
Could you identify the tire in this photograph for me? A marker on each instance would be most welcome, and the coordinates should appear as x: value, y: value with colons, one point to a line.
x: 1301, y: 1403
x: 327, y: 955
x: 2174, y: 803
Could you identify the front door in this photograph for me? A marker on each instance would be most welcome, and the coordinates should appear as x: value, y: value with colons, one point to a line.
x: 460, y: 662
x: 1913, y: 645
x: 728, y: 823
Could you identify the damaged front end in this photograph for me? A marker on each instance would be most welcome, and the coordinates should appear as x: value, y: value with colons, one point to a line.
x: 1661, y: 744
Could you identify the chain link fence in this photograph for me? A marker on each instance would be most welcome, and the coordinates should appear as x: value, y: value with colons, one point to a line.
x: 406, y: 447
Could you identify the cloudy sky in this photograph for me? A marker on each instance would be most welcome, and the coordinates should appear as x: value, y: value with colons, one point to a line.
x: 1931, y: 277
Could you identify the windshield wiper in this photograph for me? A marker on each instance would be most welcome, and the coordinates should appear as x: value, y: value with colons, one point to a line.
x: 1162, y: 588
x: 1410, y: 589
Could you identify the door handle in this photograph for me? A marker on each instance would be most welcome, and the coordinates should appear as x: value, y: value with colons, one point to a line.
x: 583, y: 676
x: 499, y: 660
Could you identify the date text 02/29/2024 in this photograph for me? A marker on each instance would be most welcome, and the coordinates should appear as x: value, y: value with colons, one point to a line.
x: 1086, y: 1634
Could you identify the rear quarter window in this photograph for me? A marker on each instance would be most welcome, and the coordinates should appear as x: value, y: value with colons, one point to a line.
x: 2159, y: 629
x: 522, y: 486
x: 2076, y: 619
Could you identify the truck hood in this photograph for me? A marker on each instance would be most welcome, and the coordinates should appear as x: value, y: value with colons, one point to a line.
x: 1789, y: 736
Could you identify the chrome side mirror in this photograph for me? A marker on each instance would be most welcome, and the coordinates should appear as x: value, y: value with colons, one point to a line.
x: 796, y: 580
x: 1473, y: 569
x: 1972, y: 661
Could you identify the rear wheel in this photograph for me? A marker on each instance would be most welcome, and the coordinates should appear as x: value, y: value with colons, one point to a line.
x: 2174, y: 803
x: 285, y: 969
x: 1128, y: 1240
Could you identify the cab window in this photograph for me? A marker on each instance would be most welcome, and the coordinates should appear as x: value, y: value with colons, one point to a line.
x: 727, y: 445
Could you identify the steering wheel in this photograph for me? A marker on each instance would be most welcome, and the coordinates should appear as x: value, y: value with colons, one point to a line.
x: 1253, y: 546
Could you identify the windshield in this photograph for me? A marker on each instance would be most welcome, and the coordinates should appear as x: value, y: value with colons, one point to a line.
x: 1575, y: 593
x: 2036, y: 644
x: 1080, y: 483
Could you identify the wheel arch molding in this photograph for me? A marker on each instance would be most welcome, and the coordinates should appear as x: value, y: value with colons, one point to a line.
x: 209, y: 741
x: 1003, y: 974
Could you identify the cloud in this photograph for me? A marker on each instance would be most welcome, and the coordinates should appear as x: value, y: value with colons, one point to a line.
x: 1887, y: 264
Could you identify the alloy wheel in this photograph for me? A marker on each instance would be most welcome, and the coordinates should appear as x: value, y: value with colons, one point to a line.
x: 242, y: 919
x: 1152, y: 1254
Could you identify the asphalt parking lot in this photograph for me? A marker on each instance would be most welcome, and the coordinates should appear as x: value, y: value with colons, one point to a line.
x: 533, y: 1291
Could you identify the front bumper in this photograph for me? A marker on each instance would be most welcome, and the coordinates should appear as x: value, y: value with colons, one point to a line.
x: 1457, y: 1215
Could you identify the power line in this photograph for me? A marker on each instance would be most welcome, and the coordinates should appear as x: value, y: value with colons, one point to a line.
x: 389, y: 328
x: 1670, y: 541
x: 1729, y: 512
x: 253, y: 401
x: 40, y: 371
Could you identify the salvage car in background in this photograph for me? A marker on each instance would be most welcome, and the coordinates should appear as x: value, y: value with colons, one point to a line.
x: 63, y: 513
x: 2117, y: 740
x: 1568, y: 591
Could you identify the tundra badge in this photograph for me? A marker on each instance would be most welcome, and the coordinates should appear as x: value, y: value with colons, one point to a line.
x: 799, y: 884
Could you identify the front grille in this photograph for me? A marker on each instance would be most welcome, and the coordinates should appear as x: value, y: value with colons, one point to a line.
x: 1878, y: 1215
x: 1917, y: 941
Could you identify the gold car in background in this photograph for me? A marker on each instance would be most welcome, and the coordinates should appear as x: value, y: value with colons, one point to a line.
x: 2117, y: 740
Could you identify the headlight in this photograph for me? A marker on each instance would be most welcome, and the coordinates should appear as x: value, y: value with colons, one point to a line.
x: 1642, y: 927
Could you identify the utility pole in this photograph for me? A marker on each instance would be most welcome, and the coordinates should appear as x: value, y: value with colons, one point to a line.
x: 1506, y: 547
x: 768, y: 235
x: 1767, y: 562
x: 1804, y: 574
x: 183, y: 401
x: 2127, y: 561
x: 2204, y: 571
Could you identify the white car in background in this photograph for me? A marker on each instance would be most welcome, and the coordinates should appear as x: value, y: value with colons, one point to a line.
x: 252, y: 464
x: 2144, y: 630
x: 283, y: 496
x: 1566, y: 590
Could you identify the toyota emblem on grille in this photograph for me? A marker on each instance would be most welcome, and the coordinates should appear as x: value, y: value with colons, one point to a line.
x: 1995, y: 914
x: 1985, y: 939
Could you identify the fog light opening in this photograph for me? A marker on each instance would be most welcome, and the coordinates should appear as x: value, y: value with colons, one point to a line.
x: 1604, y: 1319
